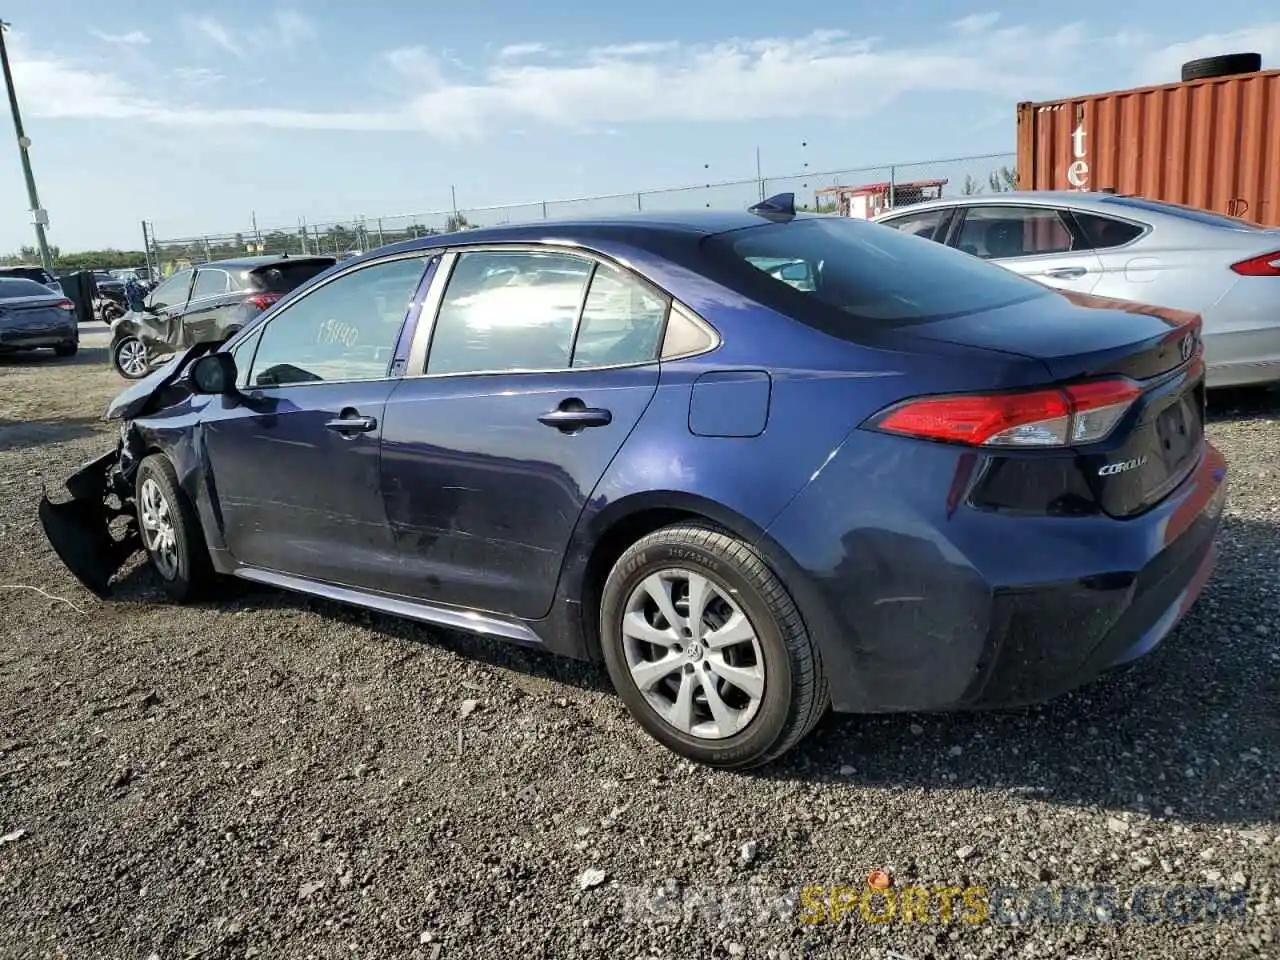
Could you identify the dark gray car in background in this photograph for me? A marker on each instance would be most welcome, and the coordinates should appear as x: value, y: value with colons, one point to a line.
x: 33, y: 316
x: 202, y: 303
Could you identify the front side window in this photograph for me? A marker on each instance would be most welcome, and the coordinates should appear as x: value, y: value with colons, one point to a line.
x: 209, y: 283
x: 863, y: 271
x: 345, y: 330
x: 923, y: 224
x: 171, y: 293
x: 1002, y: 232
x: 621, y: 321
x: 505, y: 312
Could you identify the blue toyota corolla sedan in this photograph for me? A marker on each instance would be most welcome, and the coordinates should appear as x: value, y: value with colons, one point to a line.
x: 760, y: 464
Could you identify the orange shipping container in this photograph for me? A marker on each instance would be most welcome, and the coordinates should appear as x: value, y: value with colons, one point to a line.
x: 1213, y: 144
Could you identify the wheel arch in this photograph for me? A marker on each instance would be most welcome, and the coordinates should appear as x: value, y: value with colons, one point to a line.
x: 607, y: 534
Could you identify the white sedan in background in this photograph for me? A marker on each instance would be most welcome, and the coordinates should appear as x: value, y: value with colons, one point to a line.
x: 1107, y: 245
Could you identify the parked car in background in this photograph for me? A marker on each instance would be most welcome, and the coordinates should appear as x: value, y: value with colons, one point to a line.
x: 137, y: 273
x: 758, y: 464
x: 33, y: 316
x: 1225, y: 269
x: 208, y: 302
x: 37, y: 274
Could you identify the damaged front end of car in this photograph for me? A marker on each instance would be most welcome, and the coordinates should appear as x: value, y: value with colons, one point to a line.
x: 95, y: 532
x: 84, y: 532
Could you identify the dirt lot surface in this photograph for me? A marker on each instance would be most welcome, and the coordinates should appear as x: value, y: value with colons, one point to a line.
x: 277, y: 777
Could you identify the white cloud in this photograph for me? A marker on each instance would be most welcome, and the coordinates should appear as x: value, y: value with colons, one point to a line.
x: 976, y: 22
x: 1164, y: 65
x: 515, y: 51
x: 197, y: 76
x: 293, y: 28
x: 644, y: 48
x: 132, y: 38
x: 215, y: 33
x: 828, y: 73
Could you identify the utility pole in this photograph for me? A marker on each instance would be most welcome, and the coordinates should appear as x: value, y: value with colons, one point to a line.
x: 146, y: 249
x: 759, y: 175
x: 39, y: 216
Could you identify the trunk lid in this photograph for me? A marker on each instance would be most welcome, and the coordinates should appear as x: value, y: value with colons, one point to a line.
x: 32, y: 314
x: 1076, y: 337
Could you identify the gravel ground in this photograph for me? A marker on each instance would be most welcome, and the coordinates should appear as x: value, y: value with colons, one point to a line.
x: 273, y: 776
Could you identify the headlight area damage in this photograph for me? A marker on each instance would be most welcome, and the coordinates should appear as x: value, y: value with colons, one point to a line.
x: 96, y: 531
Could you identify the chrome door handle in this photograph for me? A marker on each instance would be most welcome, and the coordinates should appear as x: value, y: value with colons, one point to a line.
x: 352, y: 424
x: 1066, y: 273
x: 573, y: 415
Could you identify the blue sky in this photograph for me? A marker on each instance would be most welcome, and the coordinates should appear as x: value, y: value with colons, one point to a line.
x: 194, y: 115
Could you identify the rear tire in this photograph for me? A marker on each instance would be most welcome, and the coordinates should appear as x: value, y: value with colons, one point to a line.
x: 734, y: 688
x: 130, y: 359
x: 171, y: 532
x: 66, y: 349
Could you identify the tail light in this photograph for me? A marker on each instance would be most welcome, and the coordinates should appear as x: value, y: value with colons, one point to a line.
x: 264, y: 300
x: 1267, y: 265
x: 65, y: 305
x: 1055, y: 417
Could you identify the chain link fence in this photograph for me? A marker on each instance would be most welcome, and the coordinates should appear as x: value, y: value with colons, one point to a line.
x: 864, y: 191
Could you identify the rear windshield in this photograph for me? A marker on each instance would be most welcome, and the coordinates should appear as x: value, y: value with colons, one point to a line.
x: 16, y: 287
x: 871, y: 272
x: 38, y: 274
x: 284, y: 277
x: 1206, y: 217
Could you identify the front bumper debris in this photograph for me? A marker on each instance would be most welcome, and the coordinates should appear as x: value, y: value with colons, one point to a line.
x: 80, y: 529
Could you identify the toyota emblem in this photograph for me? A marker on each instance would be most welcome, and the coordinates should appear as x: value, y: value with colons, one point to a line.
x: 1188, y: 346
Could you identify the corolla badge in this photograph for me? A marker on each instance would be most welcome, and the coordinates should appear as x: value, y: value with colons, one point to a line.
x: 1124, y: 465
x: 1187, y: 346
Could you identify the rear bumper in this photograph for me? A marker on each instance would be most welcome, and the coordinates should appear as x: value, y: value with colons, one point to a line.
x: 971, y: 610
x: 18, y: 338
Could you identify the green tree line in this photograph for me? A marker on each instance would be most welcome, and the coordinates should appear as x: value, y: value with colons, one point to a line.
x: 84, y: 260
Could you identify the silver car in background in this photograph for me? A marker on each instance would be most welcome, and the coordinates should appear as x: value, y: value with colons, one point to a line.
x: 1107, y: 245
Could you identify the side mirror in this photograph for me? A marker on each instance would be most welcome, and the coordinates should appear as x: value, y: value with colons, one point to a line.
x: 795, y: 272
x: 214, y: 374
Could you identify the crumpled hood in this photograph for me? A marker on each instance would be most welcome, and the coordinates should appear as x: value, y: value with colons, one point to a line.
x: 136, y: 399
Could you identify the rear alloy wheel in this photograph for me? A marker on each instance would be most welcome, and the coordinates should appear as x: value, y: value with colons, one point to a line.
x: 170, y: 531
x: 130, y: 356
x: 708, y: 650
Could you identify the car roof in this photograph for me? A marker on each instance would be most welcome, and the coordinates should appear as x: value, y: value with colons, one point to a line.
x: 266, y: 260
x: 1086, y: 199
x: 640, y: 228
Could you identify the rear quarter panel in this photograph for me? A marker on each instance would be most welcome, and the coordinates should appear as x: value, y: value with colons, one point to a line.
x: 821, y: 387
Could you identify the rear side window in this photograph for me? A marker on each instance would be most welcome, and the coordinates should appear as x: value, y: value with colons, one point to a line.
x: 284, y: 277
x: 1104, y: 232
x: 210, y: 283
x: 1002, y: 232
x: 509, y: 311
x: 1206, y: 217
x: 17, y: 287
x: 865, y: 271
x: 621, y: 321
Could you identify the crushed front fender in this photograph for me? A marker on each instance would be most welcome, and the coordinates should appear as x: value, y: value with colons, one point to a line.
x: 80, y: 529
